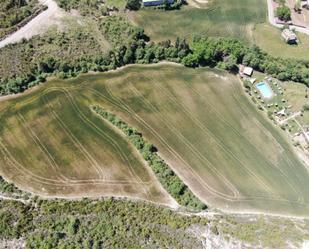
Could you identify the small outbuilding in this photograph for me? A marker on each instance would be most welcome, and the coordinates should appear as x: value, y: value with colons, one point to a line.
x: 245, y: 71
x: 289, y: 36
x: 156, y: 2
x: 248, y: 71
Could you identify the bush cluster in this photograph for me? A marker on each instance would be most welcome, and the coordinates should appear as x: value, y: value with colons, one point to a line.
x: 170, y: 181
x: 90, y: 224
x: 14, y: 11
x: 8, y: 188
x: 283, y: 13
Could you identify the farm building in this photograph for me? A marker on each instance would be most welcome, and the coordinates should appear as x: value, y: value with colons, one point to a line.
x: 248, y: 71
x: 156, y: 2
x: 289, y: 36
x: 245, y: 71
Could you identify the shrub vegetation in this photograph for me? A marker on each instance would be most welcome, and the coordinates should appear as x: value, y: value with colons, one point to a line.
x: 13, y: 12
x: 89, y: 224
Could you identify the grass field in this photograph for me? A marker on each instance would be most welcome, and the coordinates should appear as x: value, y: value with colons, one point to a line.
x: 296, y: 94
x: 269, y: 39
x: 200, y: 121
x: 53, y: 144
x: 222, y: 18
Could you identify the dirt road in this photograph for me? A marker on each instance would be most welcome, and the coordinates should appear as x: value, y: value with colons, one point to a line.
x: 38, y: 24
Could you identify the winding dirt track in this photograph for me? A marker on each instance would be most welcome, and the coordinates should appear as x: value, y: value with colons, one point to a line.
x: 38, y: 24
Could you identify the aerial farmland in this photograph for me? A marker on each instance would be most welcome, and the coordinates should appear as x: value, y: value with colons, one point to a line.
x: 154, y: 124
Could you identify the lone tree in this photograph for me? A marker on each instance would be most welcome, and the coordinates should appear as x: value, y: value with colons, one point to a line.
x: 133, y: 4
x: 283, y: 13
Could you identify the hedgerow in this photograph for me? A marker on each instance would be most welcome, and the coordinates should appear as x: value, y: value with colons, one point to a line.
x: 170, y: 181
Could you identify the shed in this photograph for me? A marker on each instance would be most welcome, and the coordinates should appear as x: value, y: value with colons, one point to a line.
x: 248, y: 71
x: 289, y: 36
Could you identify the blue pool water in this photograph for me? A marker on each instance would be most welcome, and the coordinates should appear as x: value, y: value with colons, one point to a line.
x: 264, y: 89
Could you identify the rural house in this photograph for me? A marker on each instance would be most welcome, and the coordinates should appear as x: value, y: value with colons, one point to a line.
x: 289, y: 36
x: 156, y: 2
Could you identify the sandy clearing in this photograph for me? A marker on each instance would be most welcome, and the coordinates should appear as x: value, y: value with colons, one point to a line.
x: 38, y: 24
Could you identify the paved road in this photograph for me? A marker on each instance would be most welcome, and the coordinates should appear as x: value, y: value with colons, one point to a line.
x: 37, y: 24
x: 271, y: 19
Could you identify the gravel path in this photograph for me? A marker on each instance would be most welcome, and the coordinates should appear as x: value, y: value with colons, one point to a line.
x: 38, y: 24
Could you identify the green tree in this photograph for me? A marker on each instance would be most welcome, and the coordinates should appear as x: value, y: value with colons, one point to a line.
x: 133, y: 4
x: 283, y: 13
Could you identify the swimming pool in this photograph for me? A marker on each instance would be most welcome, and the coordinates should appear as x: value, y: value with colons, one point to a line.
x: 265, y: 90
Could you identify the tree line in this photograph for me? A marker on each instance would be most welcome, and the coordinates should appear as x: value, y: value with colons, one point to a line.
x: 132, y: 46
x: 169, y: 180
x: 227, y: 53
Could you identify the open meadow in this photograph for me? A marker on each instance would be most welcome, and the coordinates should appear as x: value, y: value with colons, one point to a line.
x: 203, y: 125
x: 268, y: 38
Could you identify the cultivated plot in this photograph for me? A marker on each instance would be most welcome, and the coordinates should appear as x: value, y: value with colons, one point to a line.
x: 203, y: 125
x: 52, y: 144
x: 208, y: 131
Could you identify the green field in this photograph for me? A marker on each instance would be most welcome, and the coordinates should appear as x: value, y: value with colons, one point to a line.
x: 222, y: 18
x: 53, y: 144
x: 244, y: 20
x: 269, y: 39
x: 199, y: 119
